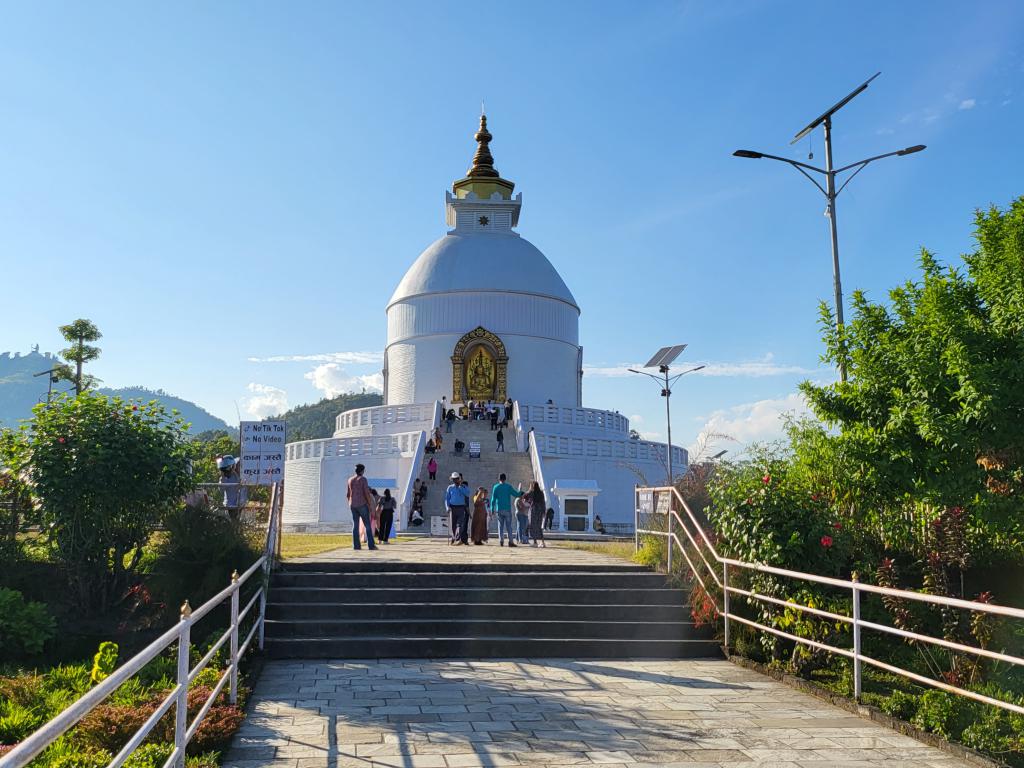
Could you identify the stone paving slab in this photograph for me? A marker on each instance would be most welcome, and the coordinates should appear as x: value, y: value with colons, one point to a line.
x: 436, y: 550
x: 539, y: 713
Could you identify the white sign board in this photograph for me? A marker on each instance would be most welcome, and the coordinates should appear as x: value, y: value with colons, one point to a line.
x: 262, y: 452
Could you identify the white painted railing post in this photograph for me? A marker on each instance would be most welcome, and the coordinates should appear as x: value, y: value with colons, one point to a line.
x: 181, y: 705
x: 857, y: 681
x: 234, y: 639
x: 669, y: 540
x: 725, y: 602
x: 636, y: 519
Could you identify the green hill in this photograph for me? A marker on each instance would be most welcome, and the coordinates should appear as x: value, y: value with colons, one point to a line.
x: 198, y: 417
x: 316, y: 420
x: 20, y: 390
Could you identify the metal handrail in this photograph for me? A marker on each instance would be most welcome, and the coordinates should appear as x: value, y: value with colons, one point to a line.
x: 856, y: 588
x: 179, y: 634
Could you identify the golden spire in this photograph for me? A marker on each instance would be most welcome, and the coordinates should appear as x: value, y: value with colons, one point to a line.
x: 482, y: 179
x: 483, y: 163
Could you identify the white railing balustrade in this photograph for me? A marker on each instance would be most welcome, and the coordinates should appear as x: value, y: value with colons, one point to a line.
x: 664, y: 502
x: 381, y: 415
x: 591, y: 418
x: 596, y: 447
x: 179, y: 635
x: 354, y: 447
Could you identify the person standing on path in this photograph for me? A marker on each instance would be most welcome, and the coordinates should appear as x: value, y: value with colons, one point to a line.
x: 501, y: 440
x: 549, y: 518
x: 449, y: 419
x: 501, y: 504
x: 387, y: 516
x: 455, y: 501
x: 522, y: 517
x: 538, y: 506
x: 359, y: 499
x: 493, y: 414
x: 478, y: 529
x: 432, y: 468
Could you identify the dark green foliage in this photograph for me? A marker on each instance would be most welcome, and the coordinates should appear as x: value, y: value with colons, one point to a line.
x: 933, y: 414
x: 25, y: 627
x: 104, y: 472
x: 79, y: 353
x: 900, y: 704
x: 316, y: 420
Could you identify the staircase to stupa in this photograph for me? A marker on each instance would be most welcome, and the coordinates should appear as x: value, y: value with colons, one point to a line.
x: 483, y: 471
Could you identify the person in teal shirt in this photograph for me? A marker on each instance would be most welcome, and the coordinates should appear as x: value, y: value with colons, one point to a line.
x: 501, y: 504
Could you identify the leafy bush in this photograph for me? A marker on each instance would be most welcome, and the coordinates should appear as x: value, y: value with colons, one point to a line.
x: 900, y: 704
x: 150, y: 756
x: 25, y: 627
x: 17, y: 721
x: 103, y: 663
x: 937, y: 712
x: 103, y: 471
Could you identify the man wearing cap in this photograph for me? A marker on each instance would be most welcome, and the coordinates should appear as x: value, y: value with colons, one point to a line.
x: 359, y: 500
x: 456, y: 500
x: 235, y: 494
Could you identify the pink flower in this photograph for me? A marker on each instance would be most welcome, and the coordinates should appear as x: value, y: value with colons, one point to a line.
x: 815, y: 497
x: 766, y: 479
x: 60, y: 440
x: 838, y: 526
x: 135, y: 407
x: 826, y: 541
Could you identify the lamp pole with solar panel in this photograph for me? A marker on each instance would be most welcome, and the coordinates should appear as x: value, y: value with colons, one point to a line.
x: 662, y: 359
x: 829, y: 190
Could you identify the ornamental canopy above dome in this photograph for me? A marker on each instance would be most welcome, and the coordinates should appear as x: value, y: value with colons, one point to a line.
x: 482, y: 253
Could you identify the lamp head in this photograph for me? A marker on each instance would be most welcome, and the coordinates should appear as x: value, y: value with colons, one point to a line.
x: 749, y: 153
x: 911, y: 150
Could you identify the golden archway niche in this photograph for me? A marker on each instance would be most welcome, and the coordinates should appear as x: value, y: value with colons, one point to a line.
x: 479, y: 368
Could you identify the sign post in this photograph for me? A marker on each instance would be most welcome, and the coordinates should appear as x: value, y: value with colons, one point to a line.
x: 262, y: 452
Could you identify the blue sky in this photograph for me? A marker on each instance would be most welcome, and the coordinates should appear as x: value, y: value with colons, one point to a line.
x: 214, y: 184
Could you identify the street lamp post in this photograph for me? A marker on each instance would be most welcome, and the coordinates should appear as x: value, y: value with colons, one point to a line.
x: 666, y: 391
x: 829, y: 190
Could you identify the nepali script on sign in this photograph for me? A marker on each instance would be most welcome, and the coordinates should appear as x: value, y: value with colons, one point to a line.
x: 262, y: 452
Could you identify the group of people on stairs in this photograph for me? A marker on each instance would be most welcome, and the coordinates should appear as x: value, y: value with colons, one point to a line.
x: 469, y: 514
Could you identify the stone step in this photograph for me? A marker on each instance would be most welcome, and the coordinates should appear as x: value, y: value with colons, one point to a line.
x: 485, y: 647
x: 524, y: 627
x: 494, y: 580
x: 379, y: 566
x: 597, y: 612
x: 469, y: 594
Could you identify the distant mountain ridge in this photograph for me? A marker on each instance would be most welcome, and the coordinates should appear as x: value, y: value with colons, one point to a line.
x: 20, y: 390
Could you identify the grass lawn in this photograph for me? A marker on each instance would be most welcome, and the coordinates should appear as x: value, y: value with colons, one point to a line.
x: 624, y: 550
x: 305, y: 544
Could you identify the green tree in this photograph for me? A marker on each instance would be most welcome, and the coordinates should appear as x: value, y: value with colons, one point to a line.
x: 932, y: 417
x: 79, y: 353
x: 103, y: 471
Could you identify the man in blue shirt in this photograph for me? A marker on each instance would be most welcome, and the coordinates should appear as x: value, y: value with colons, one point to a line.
x: 456, y: 499
x: 501, y: 504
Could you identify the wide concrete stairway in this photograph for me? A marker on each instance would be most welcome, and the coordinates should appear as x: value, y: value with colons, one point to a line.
x: 523, y: 603
x: 483, y: 471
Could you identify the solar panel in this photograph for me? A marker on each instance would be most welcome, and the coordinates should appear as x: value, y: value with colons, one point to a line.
x: 832, y: 110
x: 665, y: 356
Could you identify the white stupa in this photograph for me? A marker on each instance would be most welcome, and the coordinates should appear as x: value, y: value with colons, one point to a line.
x: 481, y: 315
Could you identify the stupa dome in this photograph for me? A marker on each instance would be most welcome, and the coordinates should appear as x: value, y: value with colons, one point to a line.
x: 501, y: 262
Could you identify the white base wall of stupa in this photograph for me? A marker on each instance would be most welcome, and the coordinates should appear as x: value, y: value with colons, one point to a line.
x: 538, y: 370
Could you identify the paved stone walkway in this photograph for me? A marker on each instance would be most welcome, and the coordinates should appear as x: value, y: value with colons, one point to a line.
x: 422, y: 550
x: 462, y: 714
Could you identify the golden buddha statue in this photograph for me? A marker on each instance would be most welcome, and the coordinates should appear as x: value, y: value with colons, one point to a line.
x: 480, y: 375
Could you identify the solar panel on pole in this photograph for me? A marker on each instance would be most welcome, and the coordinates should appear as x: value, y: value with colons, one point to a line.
x: 665, y: 356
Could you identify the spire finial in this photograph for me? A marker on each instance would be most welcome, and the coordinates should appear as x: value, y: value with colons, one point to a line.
x: 483, y: 163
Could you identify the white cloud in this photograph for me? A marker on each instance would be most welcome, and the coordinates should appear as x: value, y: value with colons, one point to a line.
x: 755, y: 422
x: 749, y: 369
x: 967, y: 104
x: 266, y: 401
x: 332, y: 379
x: 345, y: 358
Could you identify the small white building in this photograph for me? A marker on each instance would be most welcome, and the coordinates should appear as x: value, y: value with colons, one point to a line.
x: 481, y: 315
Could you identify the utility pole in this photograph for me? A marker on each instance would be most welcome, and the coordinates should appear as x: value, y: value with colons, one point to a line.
x: 829, y: 190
